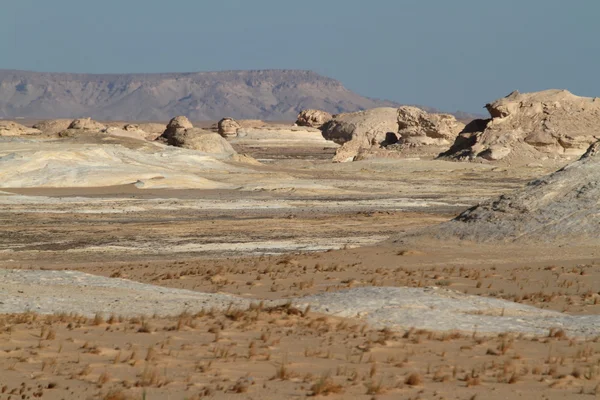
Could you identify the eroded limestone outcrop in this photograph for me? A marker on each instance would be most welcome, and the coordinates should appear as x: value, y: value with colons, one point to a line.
x: 313, y: 118
x: 529, y: 128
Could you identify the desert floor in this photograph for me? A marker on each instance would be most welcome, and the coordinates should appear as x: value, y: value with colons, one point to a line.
x: 343, y: 232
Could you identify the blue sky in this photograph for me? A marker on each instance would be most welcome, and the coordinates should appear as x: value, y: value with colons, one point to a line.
x: 453, y: 55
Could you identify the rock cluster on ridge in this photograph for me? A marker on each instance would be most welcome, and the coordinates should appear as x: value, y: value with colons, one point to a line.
x: 529, y: 128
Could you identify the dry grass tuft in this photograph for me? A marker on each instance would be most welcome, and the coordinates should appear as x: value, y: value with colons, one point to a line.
x: 325, y: 386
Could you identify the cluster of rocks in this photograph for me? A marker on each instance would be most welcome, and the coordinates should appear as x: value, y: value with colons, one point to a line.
x: 384, y: 131
x: 523, y: 129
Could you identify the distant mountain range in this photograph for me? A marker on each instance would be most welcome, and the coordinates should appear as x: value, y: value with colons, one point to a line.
x: 263, y: 94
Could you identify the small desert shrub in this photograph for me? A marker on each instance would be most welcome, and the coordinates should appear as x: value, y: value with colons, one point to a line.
x: 414, y: 379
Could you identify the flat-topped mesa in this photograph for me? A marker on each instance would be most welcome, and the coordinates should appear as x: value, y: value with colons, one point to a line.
x: 228, y: 127
x: 313, y: 118
x: 560, y: 207
x: 524, y: 128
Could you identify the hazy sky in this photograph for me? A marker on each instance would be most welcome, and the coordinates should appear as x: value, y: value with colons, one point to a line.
x: 450, y: 54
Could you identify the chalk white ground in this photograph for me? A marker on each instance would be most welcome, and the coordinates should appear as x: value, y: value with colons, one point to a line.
x: 400, y: 308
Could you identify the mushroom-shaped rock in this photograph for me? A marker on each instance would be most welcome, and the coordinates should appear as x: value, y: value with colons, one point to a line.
x: 313, y: 118
x: 228, y: 127
x: 175, y: 125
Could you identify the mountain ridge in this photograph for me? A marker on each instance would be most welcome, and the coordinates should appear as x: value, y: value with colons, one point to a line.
x: 272, y: 94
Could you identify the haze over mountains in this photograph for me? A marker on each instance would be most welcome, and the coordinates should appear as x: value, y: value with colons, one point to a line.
x: 263, y: 94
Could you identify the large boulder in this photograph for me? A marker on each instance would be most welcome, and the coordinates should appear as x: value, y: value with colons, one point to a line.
x: 418, y: 127
x: 313, y: 118
x: 370, y: 128
x: 87, y: 124
x: 201, y: 140
x: 54, y: 126
x: 562, y: 206
x: 228, y: 127
x: 10, y: 128
x: 525, y: 128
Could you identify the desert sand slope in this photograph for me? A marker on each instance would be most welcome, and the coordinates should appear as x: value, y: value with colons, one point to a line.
x: 561, y: 206
x: 99, y: 161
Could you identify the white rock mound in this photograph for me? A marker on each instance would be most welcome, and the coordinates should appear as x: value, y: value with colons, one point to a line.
x: 85, y: 162
x: 528, y: 128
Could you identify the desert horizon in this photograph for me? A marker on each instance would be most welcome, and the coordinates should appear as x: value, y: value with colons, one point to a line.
x: 397, y: 200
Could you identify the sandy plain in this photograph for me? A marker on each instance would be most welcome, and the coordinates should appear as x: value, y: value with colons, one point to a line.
x: 275, y: 243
